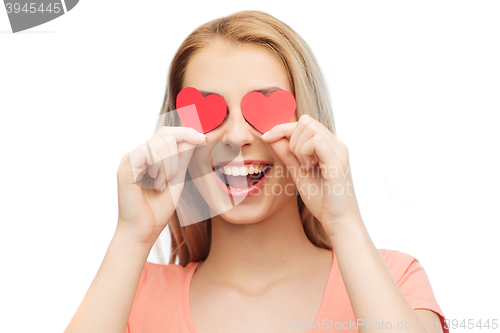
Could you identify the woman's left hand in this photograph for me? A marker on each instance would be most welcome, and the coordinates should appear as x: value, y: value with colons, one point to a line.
x: 325, y: 185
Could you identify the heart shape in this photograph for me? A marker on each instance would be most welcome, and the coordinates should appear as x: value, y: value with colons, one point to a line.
x: 263, y: 113
x: 210, y: 111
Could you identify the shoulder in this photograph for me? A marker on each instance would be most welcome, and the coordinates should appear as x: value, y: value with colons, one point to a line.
x: 157, y: 273
x: 397, y: 262
x: 162, y: 285
x: 394, y: 256
x: 413, y: 282
x: 159, y: 297
x: 158, y: 279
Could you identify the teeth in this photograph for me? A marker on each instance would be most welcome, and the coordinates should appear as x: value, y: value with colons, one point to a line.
x: 242, y: 171
x: 236, y: 189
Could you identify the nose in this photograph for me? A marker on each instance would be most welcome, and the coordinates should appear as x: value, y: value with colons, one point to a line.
x: 237, y: 130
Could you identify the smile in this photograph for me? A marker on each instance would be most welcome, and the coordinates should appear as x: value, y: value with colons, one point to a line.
x: 245, y: 179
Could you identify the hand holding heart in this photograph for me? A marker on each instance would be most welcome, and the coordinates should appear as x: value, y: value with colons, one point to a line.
x: 326, y: 186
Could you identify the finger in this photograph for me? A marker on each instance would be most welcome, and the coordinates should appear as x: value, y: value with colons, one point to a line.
x: 169, y: 162
x: 297, y: 138
x: 279, y: 131
x: 161, y: 180
x: 186, y: 151
x: 311, y: 130
x: 140, y: 159
x: 307, y: 152
x: 158, y: 147
x: 187, y: 134
x: 316, y: 146
x: 282, y: 150
x: 155, y: 159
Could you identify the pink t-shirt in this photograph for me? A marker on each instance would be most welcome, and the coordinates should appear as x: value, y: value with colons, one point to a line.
x: 161, y: 302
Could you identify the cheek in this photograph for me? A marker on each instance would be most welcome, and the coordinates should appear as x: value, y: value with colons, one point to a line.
x: 281, y: 174
x: 199, y: 164
x: 215, y: 135
x: 199, y: 153
x: 294, y: 117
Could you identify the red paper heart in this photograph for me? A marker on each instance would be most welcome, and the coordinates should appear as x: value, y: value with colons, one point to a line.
x: 211, y: 110
x: 263, y: 113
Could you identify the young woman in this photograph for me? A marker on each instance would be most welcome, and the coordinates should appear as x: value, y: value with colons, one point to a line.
x: 299, y: 259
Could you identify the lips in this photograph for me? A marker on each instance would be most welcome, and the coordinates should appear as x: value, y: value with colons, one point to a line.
x: 242, y: 178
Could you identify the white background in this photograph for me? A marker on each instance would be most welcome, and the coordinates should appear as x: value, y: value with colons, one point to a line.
x: 415, y: 91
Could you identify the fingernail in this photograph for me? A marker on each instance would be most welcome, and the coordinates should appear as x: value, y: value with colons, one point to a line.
x: 202, y: 135
x: 163, y: 187
x: 265, y: 134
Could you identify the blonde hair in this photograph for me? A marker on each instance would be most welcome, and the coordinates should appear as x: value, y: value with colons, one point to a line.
x: 192, y: 242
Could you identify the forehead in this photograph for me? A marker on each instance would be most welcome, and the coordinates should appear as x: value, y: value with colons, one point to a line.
x: 235, y: 69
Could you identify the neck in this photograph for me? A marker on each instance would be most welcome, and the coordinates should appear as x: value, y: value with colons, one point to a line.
x: 258, y: 254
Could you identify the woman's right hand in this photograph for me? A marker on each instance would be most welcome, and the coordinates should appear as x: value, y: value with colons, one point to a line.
x: 144, y: 212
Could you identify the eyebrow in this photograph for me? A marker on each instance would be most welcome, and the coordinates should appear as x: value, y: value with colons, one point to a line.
x: 266, y: 91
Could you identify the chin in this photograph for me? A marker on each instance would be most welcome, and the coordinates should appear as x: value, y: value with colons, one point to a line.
x: 255, y: 211
x: 246, y: 214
